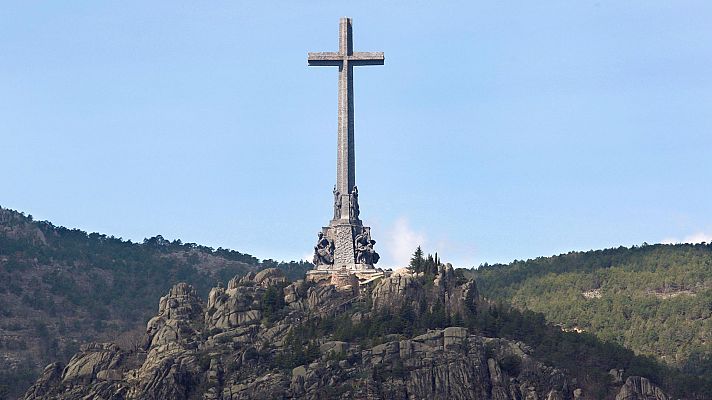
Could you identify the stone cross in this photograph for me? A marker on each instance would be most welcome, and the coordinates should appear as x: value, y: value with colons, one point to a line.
x: 345, y: 59
x: 345, y: 245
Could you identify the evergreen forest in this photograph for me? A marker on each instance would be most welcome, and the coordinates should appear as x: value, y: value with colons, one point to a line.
x: 653, y: 299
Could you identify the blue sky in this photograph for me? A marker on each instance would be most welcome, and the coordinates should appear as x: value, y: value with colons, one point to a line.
x: 494, y: 131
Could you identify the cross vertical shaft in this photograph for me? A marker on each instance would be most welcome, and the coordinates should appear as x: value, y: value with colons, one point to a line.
x: 345, y: 156
x: 345, y: 59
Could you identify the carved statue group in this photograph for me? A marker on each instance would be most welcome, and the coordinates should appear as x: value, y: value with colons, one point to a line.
x: 354, y: 211
x: 323, y: 251
x: 363, y: 245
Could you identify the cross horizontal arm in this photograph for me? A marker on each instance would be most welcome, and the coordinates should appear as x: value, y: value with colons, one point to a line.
x: 325, y: 58
x: 367, y: 58
x: 334, y: 58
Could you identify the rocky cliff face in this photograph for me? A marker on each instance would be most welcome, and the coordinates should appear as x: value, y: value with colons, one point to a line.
x: 234, y: 347
x: 62, y: 287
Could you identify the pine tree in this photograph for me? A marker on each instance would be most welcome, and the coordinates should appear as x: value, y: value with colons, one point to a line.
x: 417, y: 262
x: 430, y: 267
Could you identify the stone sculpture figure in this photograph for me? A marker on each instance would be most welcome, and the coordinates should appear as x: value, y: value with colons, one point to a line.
x: 337, y: 203
x: 353, y: 207
x: 323, y: 251
x: 363, y: 245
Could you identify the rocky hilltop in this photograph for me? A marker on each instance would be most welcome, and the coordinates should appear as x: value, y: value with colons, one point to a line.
x: 264, y: 338
x: 62, y: 287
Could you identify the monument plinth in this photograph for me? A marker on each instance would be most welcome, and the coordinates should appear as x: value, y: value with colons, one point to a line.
x: 345, y: 245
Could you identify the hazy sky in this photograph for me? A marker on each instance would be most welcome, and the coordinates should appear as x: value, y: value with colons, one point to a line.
x: 495, y: 131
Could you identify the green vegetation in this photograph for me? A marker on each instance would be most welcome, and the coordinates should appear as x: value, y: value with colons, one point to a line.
x: 81, y: 287
x: 584, y: 355
x: 654, y: 299
x: 420, y: 264
x: 300, y: 345
x: 636, y: 306
x: 273, y: 303
x: 293, y: 270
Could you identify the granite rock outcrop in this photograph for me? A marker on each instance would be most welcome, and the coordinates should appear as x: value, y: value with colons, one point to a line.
x: 639, y: 388
x: 236, y: 346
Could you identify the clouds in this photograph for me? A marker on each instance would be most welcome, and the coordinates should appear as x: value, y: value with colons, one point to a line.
x: 401, y: 243
x: 697, y: 237
x: 401, y: 240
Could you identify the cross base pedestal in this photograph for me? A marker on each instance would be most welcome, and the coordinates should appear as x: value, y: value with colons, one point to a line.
x: 364, y: 273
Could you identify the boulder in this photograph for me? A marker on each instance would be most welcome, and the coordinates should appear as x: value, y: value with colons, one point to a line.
x: 319, y: 297
x: 294, y: 292
x: 554, y: 395
x: 181, y: 303
x: 446, y: 276
x: 639, y: 388
x: 395, y: 291
x: 270, y: 277
x: 431, y: 338
x: 247, y: 279
x: 616, y: 374
x: 239, y: 305
x: 110, y: 375
x: 495, y: 372
x: 454, y: 336
x: 216, y: 295
x: 82, y: 369
x: 333, y: 347
x: 179, y: 313
x: 166, y: 375
x: 51, y: 378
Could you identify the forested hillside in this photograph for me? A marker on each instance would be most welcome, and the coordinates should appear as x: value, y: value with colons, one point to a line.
x: 63, y: 287
x: 60, y: 288
x: 653, y: 299
x: 422, y: 333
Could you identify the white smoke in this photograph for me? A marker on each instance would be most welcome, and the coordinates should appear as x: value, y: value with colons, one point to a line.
x: 401, y: 243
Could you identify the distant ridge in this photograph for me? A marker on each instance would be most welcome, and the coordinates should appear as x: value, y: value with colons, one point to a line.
x: 653, y: 299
